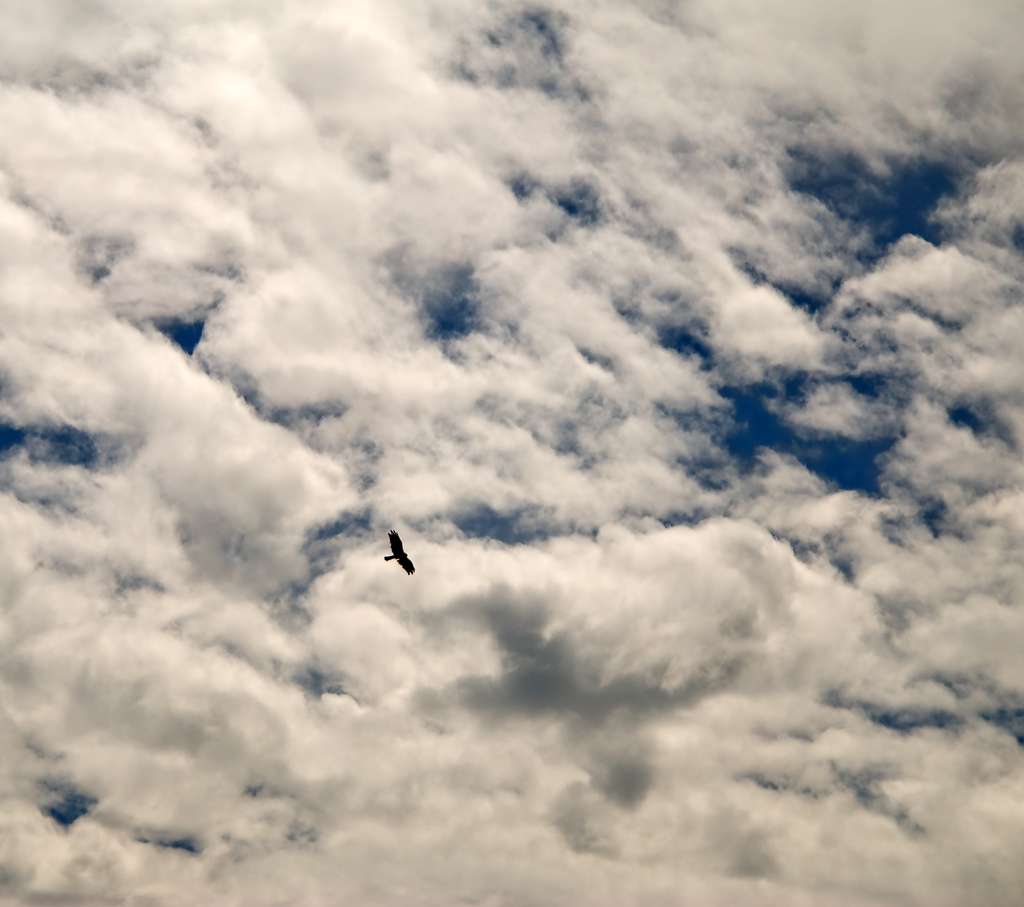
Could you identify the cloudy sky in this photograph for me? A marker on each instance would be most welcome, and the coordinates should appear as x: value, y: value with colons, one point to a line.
x: 683, y: 342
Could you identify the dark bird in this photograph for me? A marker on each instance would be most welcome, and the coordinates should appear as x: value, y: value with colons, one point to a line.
x: 398, y: 553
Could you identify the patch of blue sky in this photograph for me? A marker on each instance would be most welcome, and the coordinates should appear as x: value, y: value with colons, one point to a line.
x: 580, y: 200
x: 850, y: 464
x: 60, y: 444
x: 1007, y: 718
x: 348, y: 523
x: 446, y: 296
x: 188, y: 844
x: 889, y: 203
x: 811, y: 300
x: 901, y: 719
x: 316, y: 682
x: 982, y: 420
x: 70, y: 803
x: 185, y: 334
x: 10, y: 437
x: 688, y: 341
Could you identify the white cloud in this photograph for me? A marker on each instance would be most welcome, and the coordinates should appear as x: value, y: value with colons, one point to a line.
x: 759, y: 325
x: 595, y: 303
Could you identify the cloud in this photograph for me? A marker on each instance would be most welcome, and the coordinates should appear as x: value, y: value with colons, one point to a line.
x: 681, y: 342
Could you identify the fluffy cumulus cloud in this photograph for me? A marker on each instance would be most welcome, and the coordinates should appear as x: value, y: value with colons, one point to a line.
x: 683, y: 342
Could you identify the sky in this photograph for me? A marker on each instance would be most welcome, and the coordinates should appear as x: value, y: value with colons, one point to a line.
x: 681, y: 340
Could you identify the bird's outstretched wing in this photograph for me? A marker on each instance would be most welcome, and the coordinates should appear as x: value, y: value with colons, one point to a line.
x: 398, y: 553
x: 397, y: 550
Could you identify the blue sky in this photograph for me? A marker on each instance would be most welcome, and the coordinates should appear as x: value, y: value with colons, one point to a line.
x: 682, y: 344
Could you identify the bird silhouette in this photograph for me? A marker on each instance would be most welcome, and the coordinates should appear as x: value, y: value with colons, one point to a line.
x: 398, y: 553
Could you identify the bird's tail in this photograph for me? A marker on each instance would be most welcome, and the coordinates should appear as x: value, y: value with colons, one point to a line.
x: 390, y: 557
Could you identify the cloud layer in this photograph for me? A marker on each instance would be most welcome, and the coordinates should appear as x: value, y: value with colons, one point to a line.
x: 682, y: 342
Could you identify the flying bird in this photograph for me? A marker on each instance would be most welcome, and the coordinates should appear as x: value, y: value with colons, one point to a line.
x: 398, y: 553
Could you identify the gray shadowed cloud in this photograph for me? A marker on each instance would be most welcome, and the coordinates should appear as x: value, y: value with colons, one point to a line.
x: 543, y: 674
x: 525, y: 49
